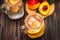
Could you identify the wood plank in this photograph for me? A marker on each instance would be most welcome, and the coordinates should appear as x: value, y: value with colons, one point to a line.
x: 1, y: 23
x: 58, y: 19
x: 9, y: 30
x: 18, y: 29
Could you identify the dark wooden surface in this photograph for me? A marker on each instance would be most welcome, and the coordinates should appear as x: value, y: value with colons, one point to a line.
x: 10, y: 29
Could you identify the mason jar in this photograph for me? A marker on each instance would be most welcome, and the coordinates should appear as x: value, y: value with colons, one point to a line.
x: 13, y: 8
x: 34, y: 25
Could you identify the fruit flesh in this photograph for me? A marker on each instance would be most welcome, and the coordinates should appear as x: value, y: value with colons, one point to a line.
x: 13, y: 5
x: 41, y: 7
x: 15, y: 9
x: 13, y: 1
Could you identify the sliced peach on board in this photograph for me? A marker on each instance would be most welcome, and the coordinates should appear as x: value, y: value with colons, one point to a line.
x: 44, y: 8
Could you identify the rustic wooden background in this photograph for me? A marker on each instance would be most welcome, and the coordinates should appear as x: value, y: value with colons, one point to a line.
x: 10, y: 29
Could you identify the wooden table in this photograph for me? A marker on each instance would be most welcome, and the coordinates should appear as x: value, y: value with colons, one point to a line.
x: 11, y: 29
